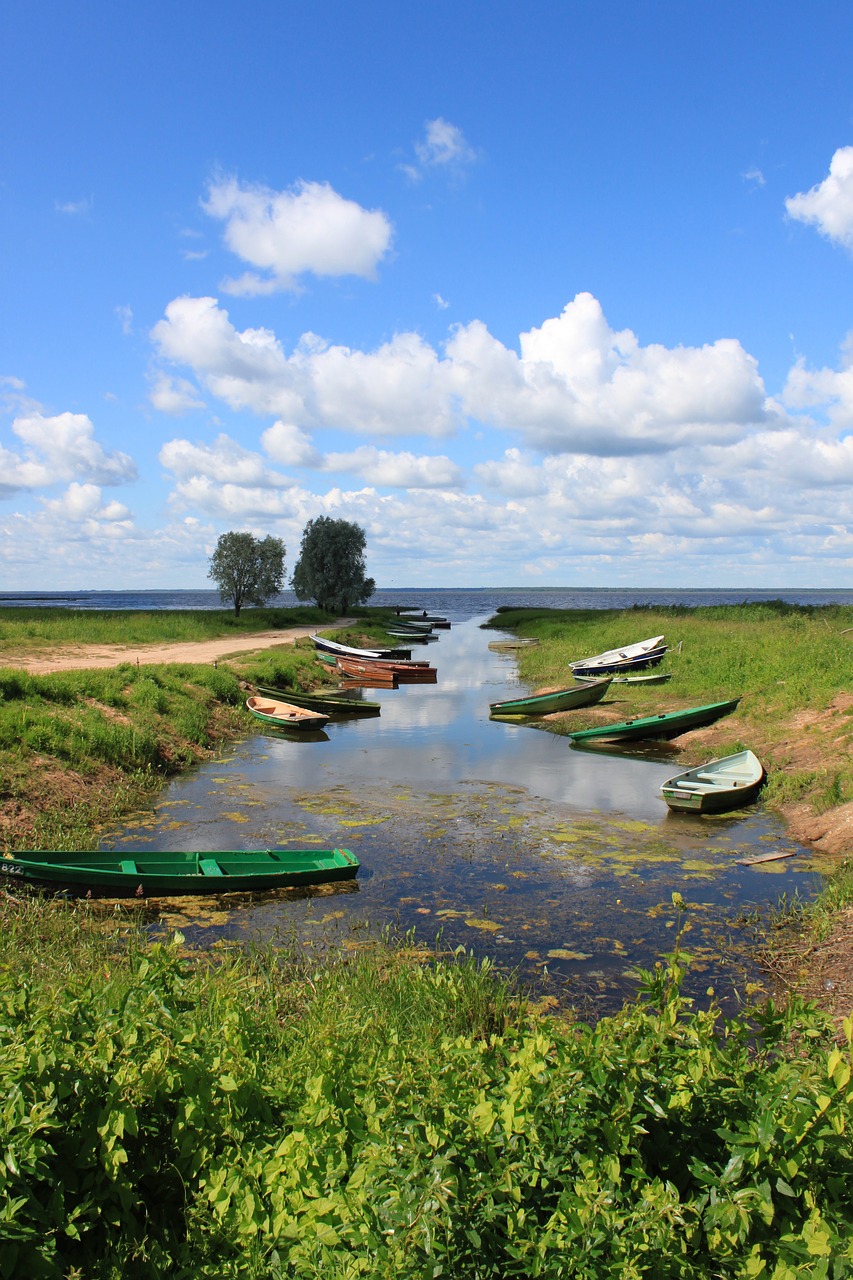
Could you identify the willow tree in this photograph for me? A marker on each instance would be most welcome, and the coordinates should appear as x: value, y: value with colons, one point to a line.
x: 247, y: 570
x: 330, y: 568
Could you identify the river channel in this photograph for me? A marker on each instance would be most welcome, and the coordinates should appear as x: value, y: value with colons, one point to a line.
x: 558, y: 864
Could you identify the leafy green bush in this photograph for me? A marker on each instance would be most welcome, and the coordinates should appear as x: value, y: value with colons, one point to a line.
x: 378, y: 1119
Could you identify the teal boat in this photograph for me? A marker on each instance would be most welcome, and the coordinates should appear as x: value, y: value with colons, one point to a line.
x: 327, y: 702
x: 171, y: 875
x: 670, y: 724
x: 543, y: 704
x: 717, y: 786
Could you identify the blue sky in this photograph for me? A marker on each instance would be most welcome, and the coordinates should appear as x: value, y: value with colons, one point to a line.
x: 554, y: 295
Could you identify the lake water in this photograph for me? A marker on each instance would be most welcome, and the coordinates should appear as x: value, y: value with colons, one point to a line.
x: 504, y: 839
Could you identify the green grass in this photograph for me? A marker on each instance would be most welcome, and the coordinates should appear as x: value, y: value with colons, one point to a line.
x: 38, y: 628
x: 784, y: 661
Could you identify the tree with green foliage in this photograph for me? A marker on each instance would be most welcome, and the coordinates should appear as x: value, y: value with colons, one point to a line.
x: 330, y: 569
x: 247, y: 570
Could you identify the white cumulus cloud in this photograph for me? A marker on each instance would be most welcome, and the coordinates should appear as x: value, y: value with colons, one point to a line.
x: 829, y: 204
x: 306, y: 228
x: 59, y: 449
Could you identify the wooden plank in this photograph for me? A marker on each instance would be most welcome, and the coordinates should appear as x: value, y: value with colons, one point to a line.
x: 767, y: 857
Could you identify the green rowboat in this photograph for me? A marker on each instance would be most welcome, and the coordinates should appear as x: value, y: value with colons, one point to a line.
x: 542, y: 704
x: 328, y: 701
x: 718, y: 786
x: 148, y: 873
x: 662, y: 727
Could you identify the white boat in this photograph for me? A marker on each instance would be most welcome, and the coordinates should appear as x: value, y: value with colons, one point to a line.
x: 625, y: 654
x: 333, y: 646
x: 718, y: 786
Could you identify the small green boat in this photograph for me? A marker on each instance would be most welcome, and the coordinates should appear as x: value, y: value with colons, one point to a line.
x: 717, y: 786
x: 170, y: 875
x: 670, y: 724
x: 542, y: 704
x: 327, y: 701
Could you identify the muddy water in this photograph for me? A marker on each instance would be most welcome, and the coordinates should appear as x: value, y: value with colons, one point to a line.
x: 503, y: 839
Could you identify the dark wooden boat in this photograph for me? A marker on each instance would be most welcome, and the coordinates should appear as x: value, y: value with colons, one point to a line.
x: 285, y: 715
x: 718, y: 786
x: 404, y: 672
x: 542, y: 704
x: 153, y: 873
x: 668, y: 725
x: 327, y: 702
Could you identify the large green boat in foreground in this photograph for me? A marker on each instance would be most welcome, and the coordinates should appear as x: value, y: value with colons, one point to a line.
x: 669, y: 724
x: 152, y: 873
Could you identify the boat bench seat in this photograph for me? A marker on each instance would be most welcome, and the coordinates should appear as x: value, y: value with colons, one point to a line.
x: 210, y: 867
x: 129, y: 867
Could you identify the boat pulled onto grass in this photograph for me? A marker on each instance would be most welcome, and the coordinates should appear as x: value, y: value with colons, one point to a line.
x: 543, y: 704
x: 659, y: 728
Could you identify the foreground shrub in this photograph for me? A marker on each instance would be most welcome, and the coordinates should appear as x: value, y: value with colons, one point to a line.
x: 257, y: 1119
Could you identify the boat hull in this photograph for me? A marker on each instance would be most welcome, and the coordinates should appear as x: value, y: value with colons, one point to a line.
x: 179, y: 874
x: 285, y: 715
x: 660, y: 728
x: 719, y: 786
x: 543, y: 704
x: 403, y: 672
x: 334, y: 647
x: 332, y: 704
x: 616, y: 666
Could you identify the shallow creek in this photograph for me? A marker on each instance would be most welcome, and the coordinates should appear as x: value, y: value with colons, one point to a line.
x: 557, y: 863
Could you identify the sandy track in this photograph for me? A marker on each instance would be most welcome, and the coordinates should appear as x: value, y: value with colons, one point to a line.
x: 75, y: 657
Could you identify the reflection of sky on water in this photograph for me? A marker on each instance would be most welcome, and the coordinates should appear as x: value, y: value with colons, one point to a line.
x: 558, y: 862
x: 436, y: 735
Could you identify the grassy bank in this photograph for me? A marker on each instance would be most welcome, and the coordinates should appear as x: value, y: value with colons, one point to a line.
x: 788, y: 663
x: 31, y: 630
x: 251, y: 1117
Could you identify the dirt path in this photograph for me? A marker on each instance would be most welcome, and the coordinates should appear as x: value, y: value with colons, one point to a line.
x: 75, y: 657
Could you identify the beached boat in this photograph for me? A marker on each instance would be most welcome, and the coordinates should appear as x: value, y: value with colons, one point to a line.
x: 510, y: 645
x: 718, y: 786
x: 433, y: 619
x: 152, y: 873
x: 619, y: 666
x: 627, y: 651
x: 333, y: 646
x: 411, y: 637
x: 543, y: 704
x: 404, y: 672
x: 663, y: 727
x: 328, y: 702
x: 285, y: 715
x: 645, y: 677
